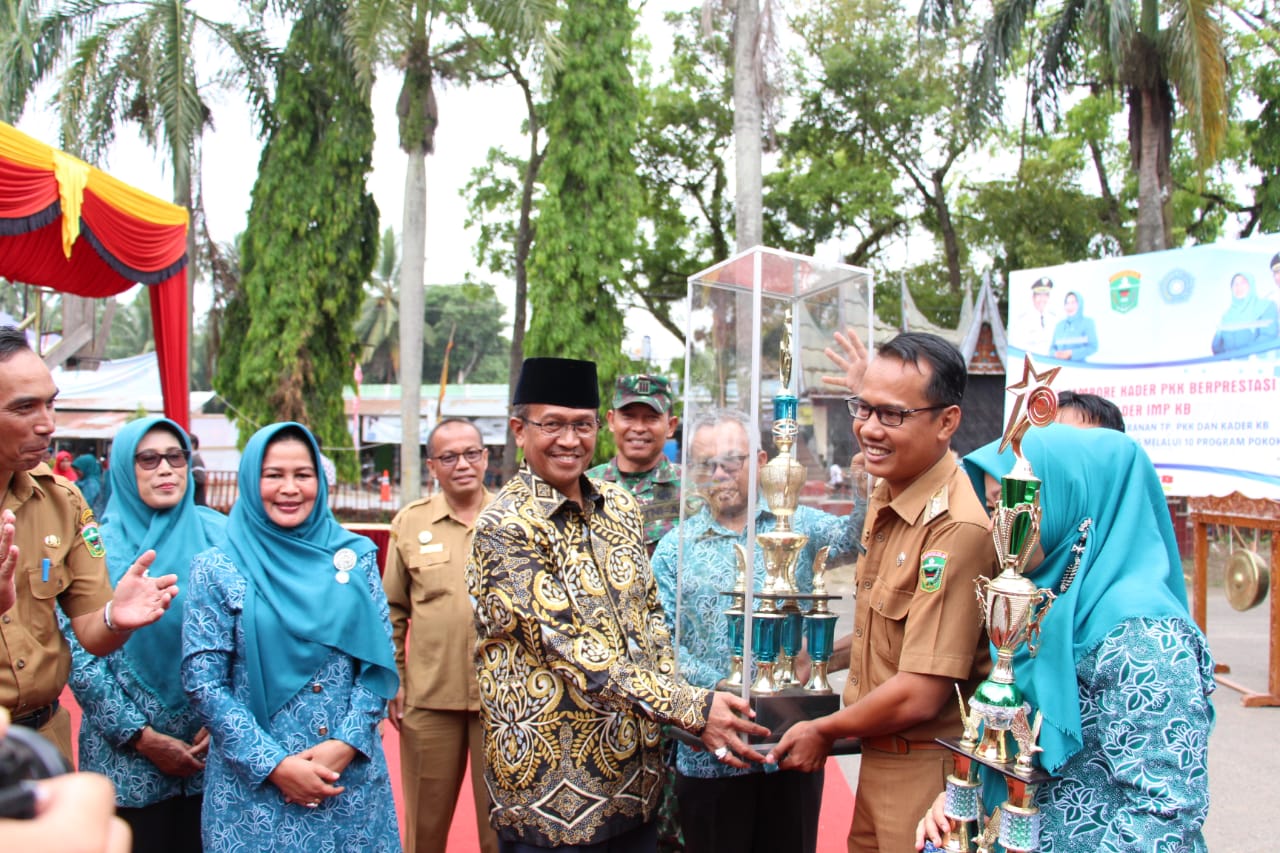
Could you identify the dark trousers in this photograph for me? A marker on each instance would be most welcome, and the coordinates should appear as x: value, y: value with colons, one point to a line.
x: 169, y: 826
x: 642, y: 839
x: 764, y: 812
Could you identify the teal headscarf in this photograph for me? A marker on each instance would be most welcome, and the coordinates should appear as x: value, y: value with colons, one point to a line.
x: 1244, y: 311
x: 130, y: 527
x: 90, y: 482
x: 1129, y: 567
x: 295, y: 610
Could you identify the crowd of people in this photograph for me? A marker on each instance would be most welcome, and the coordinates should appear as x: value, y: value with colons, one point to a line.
x: 235, y: 672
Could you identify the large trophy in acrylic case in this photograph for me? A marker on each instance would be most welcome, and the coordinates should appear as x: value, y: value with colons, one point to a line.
x: 748, y: 601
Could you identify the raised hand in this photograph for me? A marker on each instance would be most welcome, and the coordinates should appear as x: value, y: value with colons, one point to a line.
x: 8, y: 560
x: 141, y: 599
x: 852, y: 359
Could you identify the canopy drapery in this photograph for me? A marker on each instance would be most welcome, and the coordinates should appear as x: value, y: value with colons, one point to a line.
x: 71, y: 227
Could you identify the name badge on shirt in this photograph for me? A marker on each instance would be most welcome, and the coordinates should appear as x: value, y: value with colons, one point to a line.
x: 433, y: 548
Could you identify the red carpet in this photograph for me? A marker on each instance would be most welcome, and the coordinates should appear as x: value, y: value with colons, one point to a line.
x: 833, y: 825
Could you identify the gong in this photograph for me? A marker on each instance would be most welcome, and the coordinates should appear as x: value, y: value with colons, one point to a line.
x: 1247, y: 579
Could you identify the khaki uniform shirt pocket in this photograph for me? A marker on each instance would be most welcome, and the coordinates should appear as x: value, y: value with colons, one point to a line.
x: 889, y: 608
x: 431, y: 574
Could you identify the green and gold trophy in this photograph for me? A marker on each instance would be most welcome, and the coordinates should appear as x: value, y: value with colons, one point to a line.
x: 997, y: 730
x: 785, y: 617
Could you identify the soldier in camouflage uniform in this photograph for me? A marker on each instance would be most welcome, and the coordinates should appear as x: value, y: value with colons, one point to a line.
x: 641, y: 422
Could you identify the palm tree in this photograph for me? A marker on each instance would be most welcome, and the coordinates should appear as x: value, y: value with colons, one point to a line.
x: 24, y: 57
x: 400, y: 33
x: 134, y: 62
x: 377, y: 328
x: 1151, y: 52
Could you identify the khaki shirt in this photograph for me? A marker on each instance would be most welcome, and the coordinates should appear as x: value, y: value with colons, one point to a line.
x: 425, y: 585
x: 54, y: 522
x: 916, y: 610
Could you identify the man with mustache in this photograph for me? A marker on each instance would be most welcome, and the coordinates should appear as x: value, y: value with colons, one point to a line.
x: 574, y: 659
x: 724, y: 807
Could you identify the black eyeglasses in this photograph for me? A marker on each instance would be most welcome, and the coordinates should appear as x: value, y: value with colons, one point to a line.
x: 149, y: 460
x: 730, y: 463
x: 887, y: 415
x: 555, y: 429
x: 448, y: 460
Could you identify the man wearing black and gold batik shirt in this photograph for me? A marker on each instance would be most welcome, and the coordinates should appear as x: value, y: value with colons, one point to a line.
x: 575, y: 664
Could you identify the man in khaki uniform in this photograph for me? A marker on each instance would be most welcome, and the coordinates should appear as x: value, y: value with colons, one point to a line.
x: 438, y: 707
x: 51, y: 552
x: 917, y: 630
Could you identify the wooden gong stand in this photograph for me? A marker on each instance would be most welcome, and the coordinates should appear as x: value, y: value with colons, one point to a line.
x: 1238, y: 511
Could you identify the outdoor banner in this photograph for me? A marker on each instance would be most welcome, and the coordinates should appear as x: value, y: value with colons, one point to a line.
x: 1187, y: 344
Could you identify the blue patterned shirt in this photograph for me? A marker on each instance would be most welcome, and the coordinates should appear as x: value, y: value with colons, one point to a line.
x: 1141, y: 780
x: 711, y: 567
x: 116, y: 706
x: 242, y: 810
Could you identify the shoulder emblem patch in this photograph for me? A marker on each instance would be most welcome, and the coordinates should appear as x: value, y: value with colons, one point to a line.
x: 92, y: 538
x: 932, y: 565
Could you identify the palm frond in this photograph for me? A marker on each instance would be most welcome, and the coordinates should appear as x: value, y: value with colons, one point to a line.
x: 377, y: 32
x: 1198, y: 72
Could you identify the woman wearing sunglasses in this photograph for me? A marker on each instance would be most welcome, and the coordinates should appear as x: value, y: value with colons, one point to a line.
x: 287, y: 657
x: 138, y: 728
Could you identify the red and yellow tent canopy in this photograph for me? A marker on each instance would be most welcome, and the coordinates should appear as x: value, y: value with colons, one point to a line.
x: 68, y: 226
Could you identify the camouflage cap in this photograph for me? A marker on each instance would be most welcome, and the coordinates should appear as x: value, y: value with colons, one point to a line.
x: 653, y: 391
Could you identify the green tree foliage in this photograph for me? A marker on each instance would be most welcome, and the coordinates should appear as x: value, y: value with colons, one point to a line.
x: 588, y: 214
x: 310, y: 243
x: 1264, y: 149
x: 473, y: 315
x: 685, y: 140
x: 1040, y: 215
x: 886, y: 115
x: 1165, y: 56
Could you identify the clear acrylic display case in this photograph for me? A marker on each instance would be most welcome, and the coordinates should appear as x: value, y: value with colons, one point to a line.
x: 758, y: 325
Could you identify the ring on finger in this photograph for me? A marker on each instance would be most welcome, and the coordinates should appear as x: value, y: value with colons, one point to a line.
x: 721, y: 753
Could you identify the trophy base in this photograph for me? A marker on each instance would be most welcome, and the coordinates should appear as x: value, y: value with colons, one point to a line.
x: 1034, y: 776
x: 779, y: 711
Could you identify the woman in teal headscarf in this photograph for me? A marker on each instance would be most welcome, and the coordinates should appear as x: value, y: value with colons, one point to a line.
x: 287, y: 657
x: 90, y: 482
x: 1123, y: 675
x: 138, y: 728
x: 1250, y: 320
x: 1075, y: 338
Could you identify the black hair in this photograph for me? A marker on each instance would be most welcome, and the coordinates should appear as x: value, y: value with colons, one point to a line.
x: 295, y: 433
x: 431, y: 437
x: 12, y: 341
x: 947, y: 384
x: 1098, y: 411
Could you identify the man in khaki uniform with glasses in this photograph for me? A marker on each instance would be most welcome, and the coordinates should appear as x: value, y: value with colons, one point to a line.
x: 917, y: 627
x: 437, y: 710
